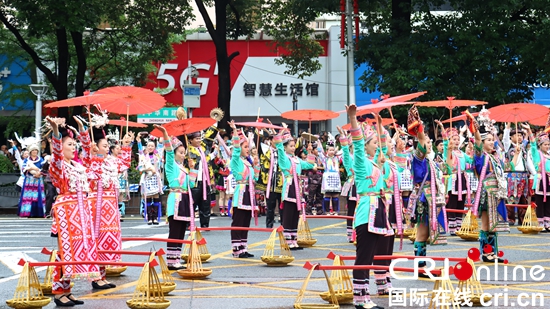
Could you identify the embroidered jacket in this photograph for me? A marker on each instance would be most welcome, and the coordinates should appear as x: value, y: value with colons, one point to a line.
x: 178, y: 181
x: 68, y: 178
x: 292, y: 167
x: 245, y: 175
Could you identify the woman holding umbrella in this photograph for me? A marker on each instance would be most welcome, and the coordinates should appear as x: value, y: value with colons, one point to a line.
x: 244, y: 202
x: 292, y: 196
x: 150, y: 165
x: 72, y: 215
x: 103, y: 196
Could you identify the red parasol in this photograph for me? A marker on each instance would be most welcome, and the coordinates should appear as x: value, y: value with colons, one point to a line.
x: 515, y: 112
x: 310, y: 115
x: 403, y: 98
x: 459, y: 118
x: 259, y: 125
x: 185, y: 126
x: 540, y: 121
x: 133, y: 101
x: 385, y: 122
x: 123, y: 122
x: 377, y: 107
x: 450, y: 103
x: 86, y: 100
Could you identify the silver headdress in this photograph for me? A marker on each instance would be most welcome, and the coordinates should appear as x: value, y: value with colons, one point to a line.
x: 486, y: 124
x: 98, y: 121
x: 112, y: 137
x: 30, y: 143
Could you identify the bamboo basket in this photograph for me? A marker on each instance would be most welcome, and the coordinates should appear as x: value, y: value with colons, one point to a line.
x: 115, y: 271
x: 304, y: 234
x: 203, y: 250
x: 341, y: 285
x: 47, y: 285
x: 167, y: 283
x: 442, y: 295
x: 530, y: 223
x: 28, y: 293
x: 473, y: 288
x: 284, y: 256
x: 470, y: 228
x: 331, y: 295
x: 194, y: 268
x: 148, y: 293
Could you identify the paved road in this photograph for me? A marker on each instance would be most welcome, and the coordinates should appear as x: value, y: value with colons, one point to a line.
x: 248, y: 283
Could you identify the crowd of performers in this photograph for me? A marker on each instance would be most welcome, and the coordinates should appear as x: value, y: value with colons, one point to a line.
x: 388, y: 185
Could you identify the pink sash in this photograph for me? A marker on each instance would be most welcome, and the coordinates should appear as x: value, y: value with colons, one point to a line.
x: 543, y: 174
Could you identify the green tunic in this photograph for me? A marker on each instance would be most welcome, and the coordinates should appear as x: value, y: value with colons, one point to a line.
x: 177, y: 177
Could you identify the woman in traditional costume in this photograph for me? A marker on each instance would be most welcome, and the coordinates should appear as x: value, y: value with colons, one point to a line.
x: 73, y: 221
x: 32, y: 203
x: 150, y: 166
x: 179, y: 205
x: 427, y: 201
x: 292, y: 197
x: 458, y: 187
x: 539, y: 152
x: 103, y: 196
x: 492, y: 191
x: 243, y: 207
x: 331, y: 185
x: 123, y: 185
x: 371, y: 221
x: 349, y: 190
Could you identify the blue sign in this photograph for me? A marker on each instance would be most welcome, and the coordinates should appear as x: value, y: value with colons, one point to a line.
x: 14, y: 80
x: 541, y: 91
x: 192, y: 90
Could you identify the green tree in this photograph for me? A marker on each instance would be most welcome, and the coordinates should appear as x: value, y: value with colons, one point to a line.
x: 91, y: 44
x: 491, y: 50
x: 234, y: 18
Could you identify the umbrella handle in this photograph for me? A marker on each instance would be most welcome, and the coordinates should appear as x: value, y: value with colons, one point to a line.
x: 90, y: 122
x: 127, y: 116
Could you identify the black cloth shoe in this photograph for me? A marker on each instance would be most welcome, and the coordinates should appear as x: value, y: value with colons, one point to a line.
x: 177, y: 266
x: 296, y: 248
x: 243, y: 255
x: 155, y: 222
x: 150, y: 222
x: 248, y: 254
x: 490, y: 258
x: 63, y: 301
x: 74, y: 300
x: 96, y: 286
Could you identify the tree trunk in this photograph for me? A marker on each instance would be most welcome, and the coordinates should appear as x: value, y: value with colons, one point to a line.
x: 81, y: 68
x: 401, y: 18
x: 63, y: 62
